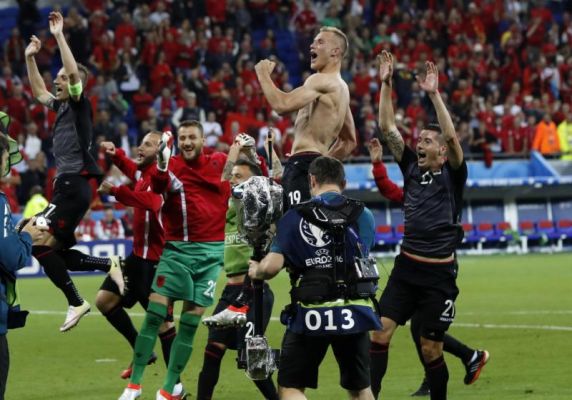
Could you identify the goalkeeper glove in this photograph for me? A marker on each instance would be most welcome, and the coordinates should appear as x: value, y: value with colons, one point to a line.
x: 165, y: 149
x: 245, y: 140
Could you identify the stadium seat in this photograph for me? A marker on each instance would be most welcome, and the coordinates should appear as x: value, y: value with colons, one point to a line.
x: 547, y: 228
x: 527, y: 228
x: 564, y: 227
x: 399, y: 231
x: 470, y: 236
x: 502, y: 229
x: 486, y: 231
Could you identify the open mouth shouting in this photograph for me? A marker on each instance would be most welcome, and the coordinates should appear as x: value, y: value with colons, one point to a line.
x: 188, y: 152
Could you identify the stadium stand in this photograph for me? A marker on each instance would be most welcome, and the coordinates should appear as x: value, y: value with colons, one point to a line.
x: 504, y: 65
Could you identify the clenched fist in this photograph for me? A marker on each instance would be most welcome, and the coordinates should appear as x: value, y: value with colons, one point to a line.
x: 264, y: 67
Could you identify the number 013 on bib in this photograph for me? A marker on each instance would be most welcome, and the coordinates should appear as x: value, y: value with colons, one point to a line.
x: 334, y: 318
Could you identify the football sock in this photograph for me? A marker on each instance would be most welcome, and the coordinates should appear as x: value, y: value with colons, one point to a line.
x: 119, y: 319
x: 378, y: 354
x: 209, y: 375
x: 77, y: 261
x: 145, y: 342
x: 167, y: 339
x: 245, y: 294
x: 182, y: 349
x: 438, y: 376
x: 267, y: 388
x: 55, y: 269
x: 458, y: 349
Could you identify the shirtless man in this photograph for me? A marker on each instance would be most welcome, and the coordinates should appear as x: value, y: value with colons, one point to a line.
x: 324, y: 125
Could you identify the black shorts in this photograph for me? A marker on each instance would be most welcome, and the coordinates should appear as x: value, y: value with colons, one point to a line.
x: 138, y: 274
x: 295, y: 178
x: 301, y: 356
x: 428, y: 290
x: 71, y: 200
x: 233, y: 338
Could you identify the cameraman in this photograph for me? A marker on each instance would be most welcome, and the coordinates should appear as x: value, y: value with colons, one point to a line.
x: 16, y: 249
x: 325, y: 244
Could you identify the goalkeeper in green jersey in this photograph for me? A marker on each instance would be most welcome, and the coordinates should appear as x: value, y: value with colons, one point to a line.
x: 236, y: 255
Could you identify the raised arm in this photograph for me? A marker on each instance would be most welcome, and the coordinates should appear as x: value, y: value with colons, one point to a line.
x: 387, y: 188
x: 389, y: 131
x: 430, y: 83
x: 242, y: 143
x: 283, y: 102
x: 145, y: 200
x: 276, y: 164
x: 120, y: 159
x: 231, y: 159
x: 346, y: 141
x: 38, y: 85
x: 70, y: 66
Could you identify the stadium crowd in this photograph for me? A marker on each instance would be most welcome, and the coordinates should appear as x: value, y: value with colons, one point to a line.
x: 505, y: 71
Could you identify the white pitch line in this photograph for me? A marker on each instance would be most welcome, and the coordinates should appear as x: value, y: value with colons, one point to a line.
x: 522, y: 312
x: 455, y: 324
x: 510, y: 326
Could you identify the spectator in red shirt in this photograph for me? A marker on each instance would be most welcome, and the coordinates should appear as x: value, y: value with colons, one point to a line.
x: 142, y: 101
x: 251, y: 99
x: 150, y: 49
x: 305, y: 22
x: 17, y: 105
x: 109, y: 227
x: 85, y: 231
x: 125, y: 29
x: 14, y: 51
x: 165, y: 106
x: 170, y: 47
x: 161, y: 74
x: 516, y: 137
x: 535, y: 32
x: 362, y: 80
x: 414, y: 110
x: 97, y: 26
x: 104, y: 56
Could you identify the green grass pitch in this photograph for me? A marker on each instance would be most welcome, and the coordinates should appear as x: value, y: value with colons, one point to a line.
x: 517, y: 307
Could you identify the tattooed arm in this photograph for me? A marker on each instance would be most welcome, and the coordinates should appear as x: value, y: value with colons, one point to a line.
x: 389, y: 132
x: 230, y: 161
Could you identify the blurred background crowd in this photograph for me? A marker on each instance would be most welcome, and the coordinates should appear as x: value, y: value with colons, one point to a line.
x: 505, y: 71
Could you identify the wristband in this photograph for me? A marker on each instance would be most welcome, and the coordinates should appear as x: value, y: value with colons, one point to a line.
x: 75, y: 89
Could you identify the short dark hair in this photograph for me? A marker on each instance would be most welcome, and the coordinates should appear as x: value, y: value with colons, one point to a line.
x: 82, y: 69
x: 255, y: 169
x: 327, y: 170
x: 191, y: 123
x: 435, y: 127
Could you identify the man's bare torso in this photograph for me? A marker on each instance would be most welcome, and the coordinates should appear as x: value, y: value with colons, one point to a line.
x: 318, y: 124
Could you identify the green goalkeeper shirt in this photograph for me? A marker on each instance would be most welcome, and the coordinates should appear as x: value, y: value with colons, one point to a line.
x: 236, y: 251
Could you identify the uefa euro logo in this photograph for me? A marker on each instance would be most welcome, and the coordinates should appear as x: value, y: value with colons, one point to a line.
x: 313, y: 235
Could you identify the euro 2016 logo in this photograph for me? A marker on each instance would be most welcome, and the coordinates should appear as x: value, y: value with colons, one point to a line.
x: 313, y: 235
